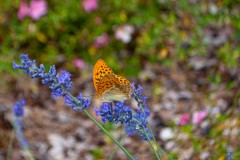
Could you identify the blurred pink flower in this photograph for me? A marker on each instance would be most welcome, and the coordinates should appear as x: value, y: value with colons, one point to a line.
x: 23, y: 10
x: 98, y: 20
x: 38, y: 8
x: 198, y: 117
x: 101, y: 41
x: 79, y: 63
x: 124, y: 33
x: 184, y: 119
x: 90, y: 5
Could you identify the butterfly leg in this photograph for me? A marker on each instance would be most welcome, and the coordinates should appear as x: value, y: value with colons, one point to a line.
x: 112, y: 104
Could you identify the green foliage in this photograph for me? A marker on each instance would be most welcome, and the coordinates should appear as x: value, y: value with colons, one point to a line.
x: 68, y: 30
x: 108, y: 126
x: 187, y: 128
x: 98, y: 153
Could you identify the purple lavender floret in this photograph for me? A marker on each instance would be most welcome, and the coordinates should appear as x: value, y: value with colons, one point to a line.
x: 120, y: 113
x: 135, y: 122
x: 138, y: 96
x: 18, y: 108
x: 78, y: 103
x: 59, y: 83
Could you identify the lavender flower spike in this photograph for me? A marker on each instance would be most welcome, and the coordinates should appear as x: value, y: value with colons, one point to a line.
x: 78, y: 103
x: 18, y: 108
x: 134, y: 122
x: 138, y: 96
x: 229, y: 156
x: 18, y: 111
x: 59, y: 83
x: 120, y: 113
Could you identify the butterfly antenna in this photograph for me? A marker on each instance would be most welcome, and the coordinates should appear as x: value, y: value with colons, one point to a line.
x: 92, y: 97
x: 89, y: 96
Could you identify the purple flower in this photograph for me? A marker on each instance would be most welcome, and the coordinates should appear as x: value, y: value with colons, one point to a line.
x: 62, y: 84
x: 78, y: 103
x: 131, y: 129
x: 18, y: 108
x: 18, y: 111
x: 229, y: 156
x: 101, y: 41
x: 59, y: 84
x: 23, y: 10
x: 123, y: 113
x: 120, y: 113
x: 38, y: 8
x: 90, y: 5
x: 139, y: 97
x: 48, y: 78
x: 149, y: 134
x: 137, y: 123
x: 106, y: 112
x: 134, y: 122
x: 198, y: 117
x: 185, y: 118
x: 97, y: 111
x: 28, y: 66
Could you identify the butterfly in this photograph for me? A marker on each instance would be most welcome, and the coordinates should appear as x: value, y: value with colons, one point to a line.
x: 109, y: 86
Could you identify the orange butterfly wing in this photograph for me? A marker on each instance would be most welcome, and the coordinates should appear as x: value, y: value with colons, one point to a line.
x: 108, y: 85
x: 107, y: 82
x: 122, y: 80
x: 100, y: 70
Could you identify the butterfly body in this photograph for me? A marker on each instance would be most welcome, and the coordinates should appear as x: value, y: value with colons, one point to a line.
x: 109, y: 86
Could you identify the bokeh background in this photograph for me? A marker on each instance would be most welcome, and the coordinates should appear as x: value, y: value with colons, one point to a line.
x: 185, y: 53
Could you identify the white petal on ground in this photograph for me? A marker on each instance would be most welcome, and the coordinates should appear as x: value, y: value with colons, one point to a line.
x: 166, y: 134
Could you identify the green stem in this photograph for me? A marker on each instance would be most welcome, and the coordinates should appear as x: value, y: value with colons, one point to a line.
x: 10, y: 145
x: 29, y: 154
x: 26, y: 149
x: 161, y: 151
x: 154, y: 140
x: 111, y: 157
x: 108, y: 134
x: 149, y: 141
